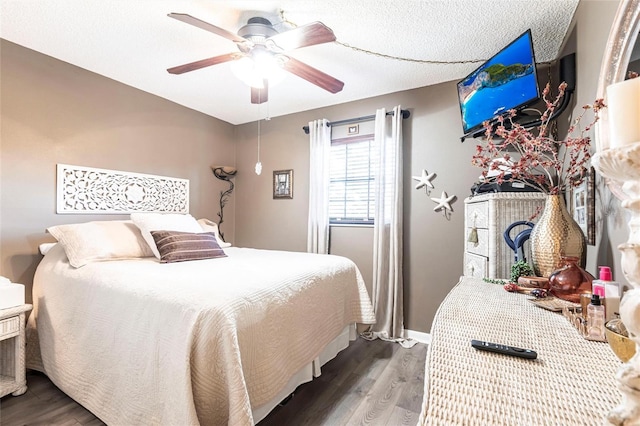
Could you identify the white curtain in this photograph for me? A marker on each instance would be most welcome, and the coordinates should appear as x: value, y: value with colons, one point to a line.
x: 320, y: 147
x: 387, y: 294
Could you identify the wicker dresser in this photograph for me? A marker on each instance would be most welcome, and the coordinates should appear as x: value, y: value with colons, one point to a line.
x: 571, y: 383
x: 490, y: 215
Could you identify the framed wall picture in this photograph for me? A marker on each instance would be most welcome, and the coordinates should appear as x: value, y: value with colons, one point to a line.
x: 283, y: 184
x: 583, y: 205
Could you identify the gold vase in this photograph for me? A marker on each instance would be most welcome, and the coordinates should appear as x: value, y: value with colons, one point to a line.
x: 555, y: 235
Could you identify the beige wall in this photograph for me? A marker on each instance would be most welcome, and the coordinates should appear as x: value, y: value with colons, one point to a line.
x: 53, y: 112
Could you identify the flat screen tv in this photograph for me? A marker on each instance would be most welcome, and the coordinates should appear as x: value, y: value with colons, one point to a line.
x: 506, y: 81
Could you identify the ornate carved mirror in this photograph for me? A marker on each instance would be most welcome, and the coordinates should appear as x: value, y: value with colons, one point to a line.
x: 620, y: 163
x: 620, y: 45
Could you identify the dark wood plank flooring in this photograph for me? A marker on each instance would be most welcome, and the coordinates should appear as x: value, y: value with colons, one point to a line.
x: 369, y: 383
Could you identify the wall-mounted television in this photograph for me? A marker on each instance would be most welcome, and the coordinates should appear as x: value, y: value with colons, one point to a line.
x: 506, y: 81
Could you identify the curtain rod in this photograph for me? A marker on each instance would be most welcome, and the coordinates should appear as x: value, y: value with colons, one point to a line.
x: 405, y: 114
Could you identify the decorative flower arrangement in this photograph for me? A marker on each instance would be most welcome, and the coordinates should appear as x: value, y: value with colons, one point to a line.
x: 541, y: 162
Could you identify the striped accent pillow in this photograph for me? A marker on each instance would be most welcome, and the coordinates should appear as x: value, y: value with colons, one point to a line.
x: 177, y: 246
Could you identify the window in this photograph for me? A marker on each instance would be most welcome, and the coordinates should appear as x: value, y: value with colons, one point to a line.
x: 352, y: 182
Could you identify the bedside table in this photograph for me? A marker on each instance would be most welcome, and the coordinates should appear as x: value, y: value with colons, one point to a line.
x: 12, y: 344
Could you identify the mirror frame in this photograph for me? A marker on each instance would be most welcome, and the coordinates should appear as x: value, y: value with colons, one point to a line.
x: 622, y: 38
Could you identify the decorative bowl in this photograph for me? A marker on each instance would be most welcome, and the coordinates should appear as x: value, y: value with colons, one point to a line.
x: 621, y: 345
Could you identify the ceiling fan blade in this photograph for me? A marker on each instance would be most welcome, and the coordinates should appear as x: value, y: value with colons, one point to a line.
x: 306, y: 35
x: 259, y: 96
x: 181, y: 69
x: 207, y: 26
x: 313, y: 75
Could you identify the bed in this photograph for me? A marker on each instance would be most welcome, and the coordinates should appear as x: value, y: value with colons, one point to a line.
x: 214, y: 341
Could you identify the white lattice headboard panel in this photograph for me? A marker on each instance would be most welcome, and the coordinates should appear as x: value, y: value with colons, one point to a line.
x: 98, y: 191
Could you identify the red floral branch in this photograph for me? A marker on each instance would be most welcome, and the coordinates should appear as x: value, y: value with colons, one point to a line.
x: 538, y: 160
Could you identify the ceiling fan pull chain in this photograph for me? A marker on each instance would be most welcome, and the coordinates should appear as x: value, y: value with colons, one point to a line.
x: 258, y: 164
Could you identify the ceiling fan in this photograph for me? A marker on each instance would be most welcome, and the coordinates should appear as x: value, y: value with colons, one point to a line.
x: 259, y: 43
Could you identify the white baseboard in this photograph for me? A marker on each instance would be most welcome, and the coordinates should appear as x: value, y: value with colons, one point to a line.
x: 418, y: 335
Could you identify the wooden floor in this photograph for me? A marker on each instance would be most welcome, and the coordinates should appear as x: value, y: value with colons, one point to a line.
x: 369, y: 383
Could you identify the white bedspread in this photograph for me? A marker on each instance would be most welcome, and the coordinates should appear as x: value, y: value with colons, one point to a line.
x: 139, y: 342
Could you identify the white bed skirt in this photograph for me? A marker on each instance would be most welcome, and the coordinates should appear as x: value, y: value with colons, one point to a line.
x: 309, y: 371
x: 304, y: 375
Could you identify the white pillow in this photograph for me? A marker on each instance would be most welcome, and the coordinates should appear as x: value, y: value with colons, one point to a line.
x: 210, y: 226
x: 148, y: 222
x: 100, y: 241
x: 45, y: 247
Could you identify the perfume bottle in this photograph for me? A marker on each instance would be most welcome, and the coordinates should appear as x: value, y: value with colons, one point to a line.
x: 595, y: 319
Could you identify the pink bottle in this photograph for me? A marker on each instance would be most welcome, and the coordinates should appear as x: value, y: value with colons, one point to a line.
x: 597, y: 286
x: 609, y: 292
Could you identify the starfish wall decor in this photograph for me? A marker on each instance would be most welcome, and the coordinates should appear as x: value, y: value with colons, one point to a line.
x: 444, y: 202
x: 424, y: 181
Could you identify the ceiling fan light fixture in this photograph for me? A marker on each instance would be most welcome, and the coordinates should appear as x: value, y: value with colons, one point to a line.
x: 261, y: 62
x: 259, y: 66
x: 245, y: 70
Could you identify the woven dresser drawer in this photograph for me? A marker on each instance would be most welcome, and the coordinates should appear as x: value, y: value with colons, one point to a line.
x: 490, y: 215
x: 475, y: 266
x: 482, y: 246
x: 9, y: 327
x: 477, y: 215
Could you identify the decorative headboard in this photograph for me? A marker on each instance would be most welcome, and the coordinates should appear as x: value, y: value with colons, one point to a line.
x: 86, y: 190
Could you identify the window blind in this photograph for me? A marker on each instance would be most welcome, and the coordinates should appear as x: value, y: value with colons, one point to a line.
x: 352, y: 184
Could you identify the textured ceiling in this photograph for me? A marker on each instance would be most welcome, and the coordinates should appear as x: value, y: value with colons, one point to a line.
x: 134, y: 42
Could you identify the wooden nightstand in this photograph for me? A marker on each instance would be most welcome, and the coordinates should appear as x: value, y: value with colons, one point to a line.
x: 12, y: 344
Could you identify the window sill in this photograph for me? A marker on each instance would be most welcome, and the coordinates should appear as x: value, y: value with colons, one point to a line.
x: 351, y: 225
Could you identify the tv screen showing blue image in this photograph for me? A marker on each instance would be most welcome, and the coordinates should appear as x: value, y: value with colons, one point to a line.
x: 506, y: 81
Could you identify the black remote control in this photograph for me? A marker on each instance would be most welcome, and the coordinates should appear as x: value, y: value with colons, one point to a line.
x: 503, y: 349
